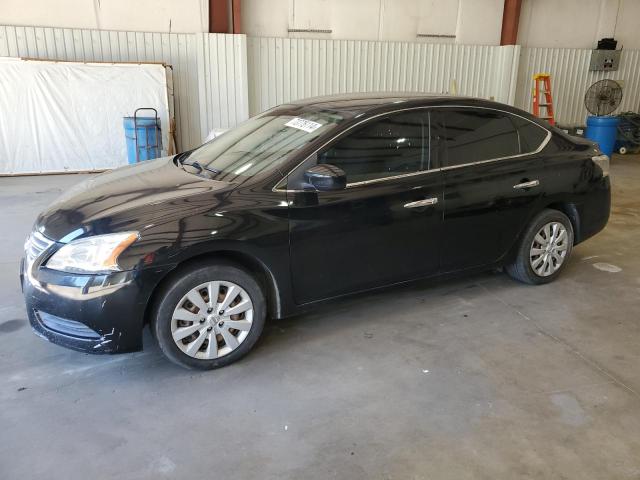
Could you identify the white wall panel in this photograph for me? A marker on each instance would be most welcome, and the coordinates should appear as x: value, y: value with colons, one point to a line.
x: 139, y: 15
x: 570, y: 78
x: 285, y: 69
x: 222, y: 63
x: 578, y: 23
x: 474, y: 22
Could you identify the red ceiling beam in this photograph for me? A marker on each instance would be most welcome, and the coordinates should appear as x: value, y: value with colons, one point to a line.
x: 510, y: 21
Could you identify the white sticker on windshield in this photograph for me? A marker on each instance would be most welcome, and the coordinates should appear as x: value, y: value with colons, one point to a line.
x: 302, y: 124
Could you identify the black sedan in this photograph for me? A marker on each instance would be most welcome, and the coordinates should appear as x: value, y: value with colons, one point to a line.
x: 307, y: 202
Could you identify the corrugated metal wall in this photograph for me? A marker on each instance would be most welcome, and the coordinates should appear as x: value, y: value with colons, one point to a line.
x: 219, y: 79
x: 178, y: 50
x: 570, y: 78
x: 284, y: 69
x: 222, y: 77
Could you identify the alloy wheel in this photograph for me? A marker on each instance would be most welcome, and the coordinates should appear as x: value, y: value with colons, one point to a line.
x: 549, y: 249
x: 212, y: 320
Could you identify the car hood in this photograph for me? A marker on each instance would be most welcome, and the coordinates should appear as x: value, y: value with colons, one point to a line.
x: 128, y: 198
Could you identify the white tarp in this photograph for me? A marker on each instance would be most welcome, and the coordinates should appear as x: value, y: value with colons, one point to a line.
x: 67, y: 116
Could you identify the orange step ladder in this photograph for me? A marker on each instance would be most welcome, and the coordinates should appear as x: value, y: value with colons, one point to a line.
x: 545, y: 101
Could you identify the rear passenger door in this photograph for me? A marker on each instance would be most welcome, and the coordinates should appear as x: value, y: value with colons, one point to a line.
x: 491, y: 177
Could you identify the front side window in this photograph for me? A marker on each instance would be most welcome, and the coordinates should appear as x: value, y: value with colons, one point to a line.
x: 474, y: 134
x: 394, y: 145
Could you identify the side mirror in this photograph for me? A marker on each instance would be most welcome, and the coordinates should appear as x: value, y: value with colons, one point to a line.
x: 326, y: 177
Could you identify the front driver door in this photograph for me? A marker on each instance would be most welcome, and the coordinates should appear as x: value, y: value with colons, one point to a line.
x: 384, y: 227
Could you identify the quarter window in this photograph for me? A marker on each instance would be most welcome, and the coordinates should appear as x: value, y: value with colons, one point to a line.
x: 391, y: 146
x: 531, y: 135
x: 473, y: 135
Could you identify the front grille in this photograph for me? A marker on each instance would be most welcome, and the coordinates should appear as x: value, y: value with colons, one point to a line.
x: 35, y: 245
x: 70, y: 328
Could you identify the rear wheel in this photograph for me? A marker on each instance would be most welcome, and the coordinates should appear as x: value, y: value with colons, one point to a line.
x: 544, y: 250
x: 209, y: 317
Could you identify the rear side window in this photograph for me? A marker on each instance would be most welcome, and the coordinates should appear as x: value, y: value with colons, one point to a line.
x: 531, y: 135
x: 473, y: 135
x: 384, y: 148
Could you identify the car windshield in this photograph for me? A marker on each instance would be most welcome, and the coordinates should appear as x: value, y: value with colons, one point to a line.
x: 259, y: 144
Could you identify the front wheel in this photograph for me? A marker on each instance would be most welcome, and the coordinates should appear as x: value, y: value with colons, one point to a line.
x: 544, y: 250
x: 209, y: 317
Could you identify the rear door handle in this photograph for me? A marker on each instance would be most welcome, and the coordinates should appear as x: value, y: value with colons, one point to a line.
x: 532, y: 183
x: 422, y: 203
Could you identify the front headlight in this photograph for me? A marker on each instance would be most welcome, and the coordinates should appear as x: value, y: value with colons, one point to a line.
x: 92, y: 254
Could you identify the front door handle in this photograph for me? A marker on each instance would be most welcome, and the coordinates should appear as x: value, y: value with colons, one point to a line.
x: 422, y: 203
x: 524, y: 185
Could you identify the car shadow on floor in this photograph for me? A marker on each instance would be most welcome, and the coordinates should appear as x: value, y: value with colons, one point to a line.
x: 366, y: 310
x: 415, y: 304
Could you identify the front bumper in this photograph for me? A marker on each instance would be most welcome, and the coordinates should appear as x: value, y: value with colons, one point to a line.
x: 88, y: 313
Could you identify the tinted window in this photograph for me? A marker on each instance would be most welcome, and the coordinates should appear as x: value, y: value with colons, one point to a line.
x: 531, y: 135
x: 473, y: 135
x: 384, y: 148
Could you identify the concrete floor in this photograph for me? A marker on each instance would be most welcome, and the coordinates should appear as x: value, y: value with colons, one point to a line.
x: 479, y: 377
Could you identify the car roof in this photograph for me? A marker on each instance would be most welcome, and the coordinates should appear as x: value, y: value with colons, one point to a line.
x: 362, y: 102
x: 372, y: 103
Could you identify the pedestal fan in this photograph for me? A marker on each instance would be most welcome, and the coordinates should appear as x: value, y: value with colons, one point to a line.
x: 601, y: 99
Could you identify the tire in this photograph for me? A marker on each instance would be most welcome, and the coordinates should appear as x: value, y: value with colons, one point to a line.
x: 547, y: 264
x: 175, y: 315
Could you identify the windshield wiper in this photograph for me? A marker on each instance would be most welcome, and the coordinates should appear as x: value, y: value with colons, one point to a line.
x: 201, y: 168
x: 181, y: 157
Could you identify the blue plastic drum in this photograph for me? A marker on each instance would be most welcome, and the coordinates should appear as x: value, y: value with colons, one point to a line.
x: 603, y: 130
